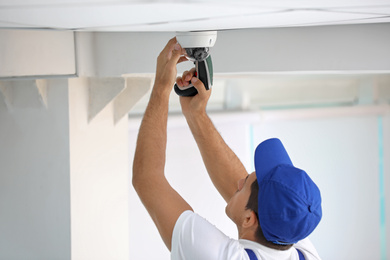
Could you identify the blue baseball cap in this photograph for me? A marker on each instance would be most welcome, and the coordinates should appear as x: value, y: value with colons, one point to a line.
x: 289, y: 202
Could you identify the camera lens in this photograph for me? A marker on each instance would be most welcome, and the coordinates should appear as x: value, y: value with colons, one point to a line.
x: 197, y: 54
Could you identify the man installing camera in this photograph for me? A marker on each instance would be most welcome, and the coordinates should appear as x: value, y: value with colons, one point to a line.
x: 274, y: 208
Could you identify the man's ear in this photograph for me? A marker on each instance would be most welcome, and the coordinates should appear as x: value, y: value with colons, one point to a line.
x: 250, y: 219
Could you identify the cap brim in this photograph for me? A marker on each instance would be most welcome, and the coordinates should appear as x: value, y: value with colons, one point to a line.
x: 268, y: 155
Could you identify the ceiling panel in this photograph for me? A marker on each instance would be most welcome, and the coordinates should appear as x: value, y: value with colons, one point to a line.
x: 149, y: 15
x: 382, y: 19
x: 384, y: 10
x: 12, y: 25
x: 79, y: 17
x: 319, y: 4
x: 19, y: 3
x: 263, y: 3
x: 264, y: 20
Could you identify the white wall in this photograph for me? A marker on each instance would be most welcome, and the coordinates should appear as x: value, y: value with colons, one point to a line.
x: 342, y: 48
x: 339, y: 152
x: 34, y: 177
x: 37, y: 52
x: 341, y: 155
x: 99, y: 177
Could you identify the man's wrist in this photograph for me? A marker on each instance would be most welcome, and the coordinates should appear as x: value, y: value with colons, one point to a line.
x: 197, y: 119
x: 161, y: 90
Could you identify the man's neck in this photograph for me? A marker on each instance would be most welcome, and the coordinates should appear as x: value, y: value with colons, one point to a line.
x: 248, y: 235
x: 251, y: 235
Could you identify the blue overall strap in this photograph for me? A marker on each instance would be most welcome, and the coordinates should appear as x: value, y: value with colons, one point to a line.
x: 301, y: 257
x: 251, y: 254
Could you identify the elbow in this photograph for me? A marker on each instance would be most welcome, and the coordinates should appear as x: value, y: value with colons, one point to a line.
x: 144, y: 174
x: 139, y: 177
x: 135, y: 181
x: 140, y: 183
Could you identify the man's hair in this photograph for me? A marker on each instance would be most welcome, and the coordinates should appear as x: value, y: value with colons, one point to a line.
x: 253, y: 205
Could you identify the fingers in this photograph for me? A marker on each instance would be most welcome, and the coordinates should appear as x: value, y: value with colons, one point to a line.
x: 188, y: 75
x: 182, y: 82
x: 169, y: 47
x: 177, y: 53
x: 202, y: 92
x: 179, y: 82
x: 185, y: 79
x: 172, y: 49
x: 181, y: 59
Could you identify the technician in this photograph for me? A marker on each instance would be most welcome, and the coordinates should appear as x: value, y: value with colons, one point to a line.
x: 274, y: 208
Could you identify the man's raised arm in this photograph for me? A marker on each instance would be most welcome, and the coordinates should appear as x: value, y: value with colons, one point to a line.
x: 163, y: 203
x: 223, y: 166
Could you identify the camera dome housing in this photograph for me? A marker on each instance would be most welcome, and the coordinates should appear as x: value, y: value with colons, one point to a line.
x: 197, y: 44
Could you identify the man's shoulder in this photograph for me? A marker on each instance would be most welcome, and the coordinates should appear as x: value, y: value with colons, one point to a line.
x: 196, y: 238
x: 264, y: 252
x: 307, y: 248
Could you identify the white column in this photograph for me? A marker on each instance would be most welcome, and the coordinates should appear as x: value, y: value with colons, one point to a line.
x: 34, y: 173
x: 99, y: 177
x: 64, y: 175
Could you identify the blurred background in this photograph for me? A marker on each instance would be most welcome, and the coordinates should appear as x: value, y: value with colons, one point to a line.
x: 75, y: 79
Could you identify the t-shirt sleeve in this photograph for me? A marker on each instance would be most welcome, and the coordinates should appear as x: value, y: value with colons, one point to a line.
x: 196, y: 238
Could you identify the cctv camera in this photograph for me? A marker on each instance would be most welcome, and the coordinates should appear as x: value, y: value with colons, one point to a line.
x: 197, y: 46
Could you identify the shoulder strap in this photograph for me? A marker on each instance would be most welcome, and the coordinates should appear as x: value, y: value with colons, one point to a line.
x: 251, y: 254
x: 301, y: 257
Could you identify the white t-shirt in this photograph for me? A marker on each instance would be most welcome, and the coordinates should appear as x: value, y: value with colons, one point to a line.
x: 194, y: 238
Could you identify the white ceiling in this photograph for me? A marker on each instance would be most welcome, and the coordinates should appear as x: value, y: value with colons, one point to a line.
x: 180, y: 15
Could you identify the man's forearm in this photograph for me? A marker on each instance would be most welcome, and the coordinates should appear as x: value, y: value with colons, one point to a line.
x: 149, y: 158
x: 223, y: 166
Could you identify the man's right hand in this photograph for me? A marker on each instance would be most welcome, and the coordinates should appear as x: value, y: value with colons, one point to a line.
x: 223, y: 166
x: 196, y: 105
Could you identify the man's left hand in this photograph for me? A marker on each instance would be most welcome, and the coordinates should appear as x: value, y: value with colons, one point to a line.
x: 166, y: 71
